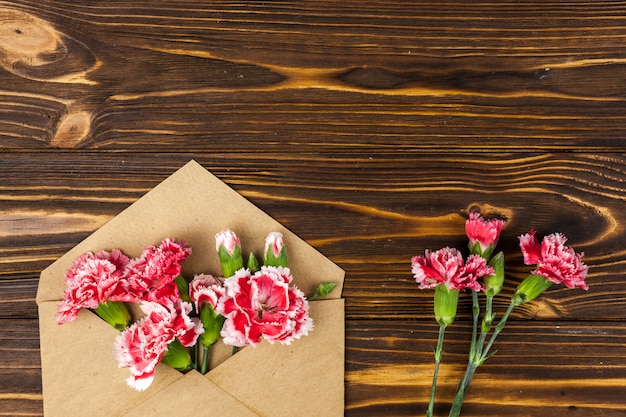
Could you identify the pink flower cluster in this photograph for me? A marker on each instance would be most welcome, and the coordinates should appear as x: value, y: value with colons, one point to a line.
x: 555, y: 261
x: 244, y: 308
x: 263, y: 305
x: 447, y: 266
x: 484, y: 233
x: 142, y: 346
x: 96, y: 278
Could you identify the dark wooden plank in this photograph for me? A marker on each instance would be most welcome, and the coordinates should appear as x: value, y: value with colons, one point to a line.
x: 332, y: 76
x: 368, y: 214
x: 540, y: 367
x: 20, y: 368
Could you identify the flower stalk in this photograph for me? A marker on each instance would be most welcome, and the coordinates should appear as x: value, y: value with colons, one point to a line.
x: 554, y: 263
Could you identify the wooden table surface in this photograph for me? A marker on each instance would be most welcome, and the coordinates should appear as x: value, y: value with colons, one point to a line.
x: 368, y: 128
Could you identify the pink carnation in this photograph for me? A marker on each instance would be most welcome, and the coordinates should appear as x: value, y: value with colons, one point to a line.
x: 446, y: 266
x: 485, y: 232
x: 151, y: 276
x: 206, y: 289
x: 91, y: 280
x: 263, y: 305
x: 144, y: 343
x: 555, y: 261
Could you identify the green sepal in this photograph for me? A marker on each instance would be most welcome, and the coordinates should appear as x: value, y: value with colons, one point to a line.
x: 183, y: 288
x: 230, y: 263
x: 494, y: 283
x: 530, y: 288
x: 477, y: 249
x: 212, y: 323
x: 177, y: 356
x: 253, y: 263
x: 269, y: 259
x: 115, y: 313
x: 446, y: 301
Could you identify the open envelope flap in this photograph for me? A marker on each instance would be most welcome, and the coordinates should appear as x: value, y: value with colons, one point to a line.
x: 192, y: 395
x: 79, y: 371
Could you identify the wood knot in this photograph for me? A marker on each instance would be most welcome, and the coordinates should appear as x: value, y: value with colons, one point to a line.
x: 72, y: 129
x: 31, y: 48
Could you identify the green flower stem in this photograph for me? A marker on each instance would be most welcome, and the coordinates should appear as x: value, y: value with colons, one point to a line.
x: 497, y: 331
x: 205, y: 360
x: 479, y: 357
x: 438, y: 355
x: 475, y: 314
x: 489, y: 316
x: 484, y: 330
x: 461, y: 390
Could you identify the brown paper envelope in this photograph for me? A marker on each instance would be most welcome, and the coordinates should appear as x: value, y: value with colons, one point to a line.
x: 79, y: 371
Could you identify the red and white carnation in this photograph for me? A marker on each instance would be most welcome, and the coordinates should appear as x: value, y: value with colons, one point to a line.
x: 206, y: 289
x: 144, y: 343
x: 484, y: 232
x: 228, y: 239
x: 263, y: 306
x: 91, y: 280
x: 274, y: 243
x: 151, y: 276
x: 447, y: 266
x: 555, y: 261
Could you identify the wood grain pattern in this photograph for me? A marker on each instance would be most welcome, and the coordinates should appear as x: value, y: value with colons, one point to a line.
x: 393, y: 76
x: 367, y: 128
x: 424, y: 207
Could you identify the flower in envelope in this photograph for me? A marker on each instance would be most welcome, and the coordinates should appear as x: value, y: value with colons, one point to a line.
x: 80, y: 373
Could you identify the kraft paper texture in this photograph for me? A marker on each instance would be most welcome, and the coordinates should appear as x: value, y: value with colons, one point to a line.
x: 80, y: 374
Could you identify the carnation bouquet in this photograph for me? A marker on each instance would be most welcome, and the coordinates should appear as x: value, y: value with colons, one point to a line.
x: 188, y: 315
x: 449, y: 273
x: 245, y: 306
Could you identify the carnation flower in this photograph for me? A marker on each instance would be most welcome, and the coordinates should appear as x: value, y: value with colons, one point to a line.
x: 205, y: 292
x: 92, y: 279
x: 145, y: 343
x: 446, y: 266
x: 206, y: 289
x: 555, y: 261
x: 263, y: 305
x: 483, y: 234
x: 151, y: 276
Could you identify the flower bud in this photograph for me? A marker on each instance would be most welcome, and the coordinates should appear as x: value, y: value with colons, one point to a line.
x: 229, y: 251
x: 253, y: 263
x: 275, y: 253
x: 115, y: 313
x: 446, y: 301
x: 212, y: 323
x: 530, y: 288
x: 483, y: 234
x: 494, y: 282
